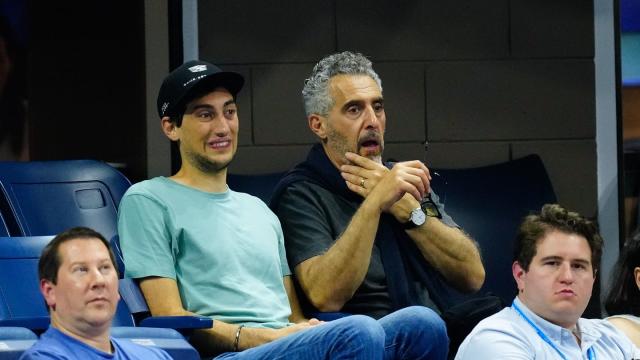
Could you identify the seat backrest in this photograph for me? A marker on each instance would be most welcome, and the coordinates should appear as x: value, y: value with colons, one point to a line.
x: 260, y: 185
x: 129, y: 289
x: 47, y: 197
x: 14, y: 341
x: 489, y: 203
x: 4, y: 229
x: 20, y: 296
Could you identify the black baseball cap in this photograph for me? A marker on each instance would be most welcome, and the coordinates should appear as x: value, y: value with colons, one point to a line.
x: 191, y: 75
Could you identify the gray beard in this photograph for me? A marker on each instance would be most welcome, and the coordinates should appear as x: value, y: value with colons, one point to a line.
x: 340, y: 145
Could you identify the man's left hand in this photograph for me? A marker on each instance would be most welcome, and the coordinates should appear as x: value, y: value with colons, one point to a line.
x: 364, y: 174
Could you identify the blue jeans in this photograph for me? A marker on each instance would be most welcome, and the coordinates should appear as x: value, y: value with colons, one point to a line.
x: 416, y: 332
x: 412, y: 333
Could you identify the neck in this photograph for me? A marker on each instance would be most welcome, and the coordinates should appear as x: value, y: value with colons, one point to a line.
x: 208, y: 182
x: 95, y: 337
x: 336, y: 159
x: 565, y: 323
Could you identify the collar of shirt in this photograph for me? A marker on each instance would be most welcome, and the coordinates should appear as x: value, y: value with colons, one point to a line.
x: 557, y: 333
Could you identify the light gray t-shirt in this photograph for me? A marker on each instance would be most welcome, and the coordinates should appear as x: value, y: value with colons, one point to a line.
x: 225, y: 250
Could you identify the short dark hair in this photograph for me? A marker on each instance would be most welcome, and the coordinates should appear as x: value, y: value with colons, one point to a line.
x: 50, y: 261
x: 555, y: 217
x: 624, y: 295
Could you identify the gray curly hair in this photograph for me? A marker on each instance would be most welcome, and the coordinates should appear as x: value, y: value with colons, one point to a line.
x: 315, y: 93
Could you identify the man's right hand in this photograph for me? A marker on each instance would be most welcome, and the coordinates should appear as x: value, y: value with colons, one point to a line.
x: 282, y: 332
x: 373, y: 180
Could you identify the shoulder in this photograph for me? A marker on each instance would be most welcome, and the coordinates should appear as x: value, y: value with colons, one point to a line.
x: 147, y: 187
x: 618, y: 328
x: 52, y: 345
x: 250, y: 203
x: 306, y: 192
x: 127, y: 347
x: 497, y: 336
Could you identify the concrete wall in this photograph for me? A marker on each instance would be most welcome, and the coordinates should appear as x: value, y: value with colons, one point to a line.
x: 482, y: 82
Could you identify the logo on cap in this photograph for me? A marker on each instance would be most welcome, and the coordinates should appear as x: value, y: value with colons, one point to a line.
x: 164, y: 107
x: 198, y: 68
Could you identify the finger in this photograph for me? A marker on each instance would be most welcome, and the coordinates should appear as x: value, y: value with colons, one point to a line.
x: 355, y: 170
x: 412, y: 190
x: 414, y: 176
x: 417, y: 164
x: 424, y: 178
x: 357, y: 189
x: 354, y: 179
x: 361, y: 160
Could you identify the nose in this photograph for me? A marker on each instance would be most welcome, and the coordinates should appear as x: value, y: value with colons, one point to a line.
x: 97, y: 278
x: 566, y: 273
x: 220, y: 126
x: 371, y: 119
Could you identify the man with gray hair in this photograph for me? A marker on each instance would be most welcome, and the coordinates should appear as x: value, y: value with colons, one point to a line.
x: 360, y: 235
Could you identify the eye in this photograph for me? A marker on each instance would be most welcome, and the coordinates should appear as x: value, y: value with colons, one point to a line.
x: 205, y: 115
x: 354, y: 110
x: 552, y: 263
x: 378, y: 107
x: 230, y: 112
x: 579, y: 266
x: 106, y: 268
x: 80, y: 269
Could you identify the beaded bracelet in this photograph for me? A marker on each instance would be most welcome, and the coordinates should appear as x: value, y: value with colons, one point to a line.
x: 237, y: 341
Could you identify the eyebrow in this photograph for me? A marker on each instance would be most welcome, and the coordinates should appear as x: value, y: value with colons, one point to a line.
x: 379, y: 99
x: 582, y: 261
x: 207, y: 106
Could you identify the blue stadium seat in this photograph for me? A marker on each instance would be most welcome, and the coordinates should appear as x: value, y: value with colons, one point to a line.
x: 46, y: 197
x: 489, y: 202
x: 260, y: 185
x: 14, y: 341
x: 21, y: 303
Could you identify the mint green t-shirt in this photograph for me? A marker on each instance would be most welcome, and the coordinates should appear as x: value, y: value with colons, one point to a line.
x: 225, y: 250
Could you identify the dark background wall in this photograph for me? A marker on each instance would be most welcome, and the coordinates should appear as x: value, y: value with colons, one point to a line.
x: 86, y: 82
x: 482, y: 82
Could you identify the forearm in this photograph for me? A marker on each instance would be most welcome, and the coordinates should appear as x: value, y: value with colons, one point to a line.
x: 330, y: 280
x: 451, y: 252
x: 222, y: 336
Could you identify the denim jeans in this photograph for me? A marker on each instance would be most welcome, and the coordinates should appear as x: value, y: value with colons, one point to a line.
x: 412, y: 333
x: 415, y: 332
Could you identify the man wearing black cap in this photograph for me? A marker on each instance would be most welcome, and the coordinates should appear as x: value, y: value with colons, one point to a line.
x: 198, y: 247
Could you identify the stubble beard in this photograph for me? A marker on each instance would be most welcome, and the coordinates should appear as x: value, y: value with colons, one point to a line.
x: 340, y: 146
x: 205, y: 164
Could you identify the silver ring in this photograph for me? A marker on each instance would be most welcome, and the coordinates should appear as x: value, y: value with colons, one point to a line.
x: 362, y: 182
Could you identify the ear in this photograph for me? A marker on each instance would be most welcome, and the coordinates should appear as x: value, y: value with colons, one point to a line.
x: 48, y: 290
x: 318, y: 125
x: 518, y: 274
x: 169, y: 128
x: 636, y: 275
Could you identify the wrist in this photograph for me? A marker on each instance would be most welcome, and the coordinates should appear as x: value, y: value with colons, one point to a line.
x: 236, y: 342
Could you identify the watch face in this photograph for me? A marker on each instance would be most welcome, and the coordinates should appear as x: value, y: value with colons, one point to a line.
x: 418, y: 217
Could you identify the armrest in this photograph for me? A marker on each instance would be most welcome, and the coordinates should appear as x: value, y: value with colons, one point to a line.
x: 179, y: 323
x: 327, y: 316
x: 37, y: 323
